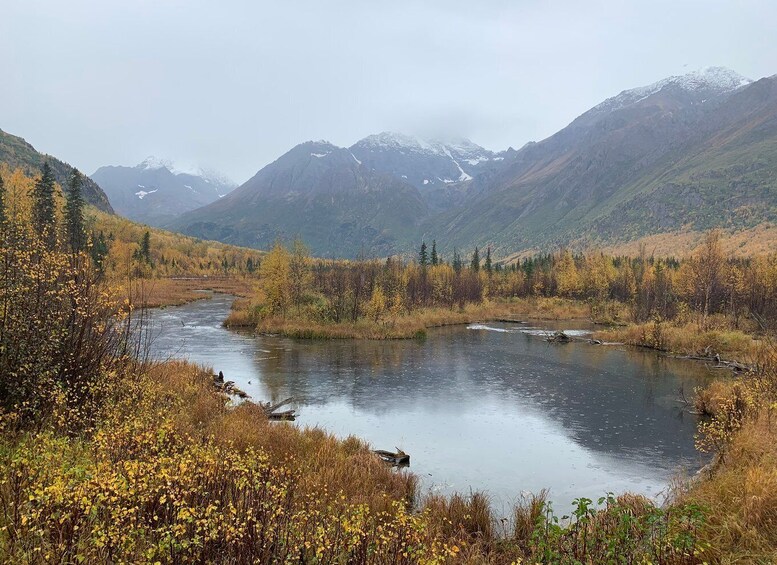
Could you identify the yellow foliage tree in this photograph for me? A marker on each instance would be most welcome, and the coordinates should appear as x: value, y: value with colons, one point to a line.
x: 567, y: 276
x: 376, y: 307
x: 275, y: 280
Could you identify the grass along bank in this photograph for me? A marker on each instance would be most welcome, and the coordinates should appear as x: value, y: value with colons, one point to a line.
x: 692, y: 338
x: 162, y: 292
x: 405, y: 325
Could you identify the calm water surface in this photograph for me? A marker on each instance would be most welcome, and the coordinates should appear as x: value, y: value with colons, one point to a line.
x: 489, y: 406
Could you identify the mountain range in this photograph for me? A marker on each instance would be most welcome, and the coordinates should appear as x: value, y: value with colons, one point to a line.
x: 682, y: 155
x: 688, y: 152
x: 156, y: 191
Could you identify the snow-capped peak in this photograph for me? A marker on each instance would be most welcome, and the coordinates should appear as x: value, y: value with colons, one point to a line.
x: 394, y: 140
x: 389, y: 140
x: 151, y: 163
x: 716, y: 80
x: 208, y: 175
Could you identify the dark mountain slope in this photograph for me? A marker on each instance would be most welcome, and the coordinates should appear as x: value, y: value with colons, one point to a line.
x: 16, y: 152
x: 321, y: 193
x: 568, y: 187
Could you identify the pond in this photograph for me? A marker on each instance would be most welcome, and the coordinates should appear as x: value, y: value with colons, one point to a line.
x: 489, y: 406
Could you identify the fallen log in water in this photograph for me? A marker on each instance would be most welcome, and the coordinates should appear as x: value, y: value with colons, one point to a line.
x: 397, y: 459
x: 271, y: 410
x: 719, y: 363
x: 286, y: 415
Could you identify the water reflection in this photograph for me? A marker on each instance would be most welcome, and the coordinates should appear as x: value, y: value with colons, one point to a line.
x: 496, y: 408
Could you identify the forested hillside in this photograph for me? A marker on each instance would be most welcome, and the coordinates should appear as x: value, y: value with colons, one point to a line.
x: 16, y: 152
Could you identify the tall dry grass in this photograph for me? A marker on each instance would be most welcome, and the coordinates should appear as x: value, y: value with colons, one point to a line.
x: 688, y: 339
x: 161, y: 292
x: 408, y: 325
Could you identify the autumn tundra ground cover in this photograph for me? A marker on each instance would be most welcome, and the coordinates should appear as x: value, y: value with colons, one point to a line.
x: 106, y: 457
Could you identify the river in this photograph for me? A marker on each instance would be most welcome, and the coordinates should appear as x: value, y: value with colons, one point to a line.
x: 487, y: 406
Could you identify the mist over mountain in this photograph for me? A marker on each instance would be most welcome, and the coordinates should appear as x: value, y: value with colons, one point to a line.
x: 156, y: 191
x: 688, y: 152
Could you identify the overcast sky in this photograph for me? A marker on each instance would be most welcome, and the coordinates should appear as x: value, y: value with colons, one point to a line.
x: 233, y: 84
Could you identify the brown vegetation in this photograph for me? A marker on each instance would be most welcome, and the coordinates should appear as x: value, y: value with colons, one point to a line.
x: 159, y: 292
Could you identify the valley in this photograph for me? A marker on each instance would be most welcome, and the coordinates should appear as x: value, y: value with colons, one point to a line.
x: 399, y: 283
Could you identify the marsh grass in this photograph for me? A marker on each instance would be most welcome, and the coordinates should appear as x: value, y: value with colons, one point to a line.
x: 687, y: 339
x: 409, y: 325
x: 162, y: 292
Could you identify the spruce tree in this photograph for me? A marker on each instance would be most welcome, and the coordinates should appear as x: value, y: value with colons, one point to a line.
x: 99, y: 250
x: 74, y: 213
x: 457, y: 263
x: 145, y: 247
x: 488, y: 260
x: 475, y: 265
x: 435, y: 258
x: 43, y: 206
x: 423, y: 257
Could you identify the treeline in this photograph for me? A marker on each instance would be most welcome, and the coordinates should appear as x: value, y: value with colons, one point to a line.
x: 705, y: 284
x: 157, y: 253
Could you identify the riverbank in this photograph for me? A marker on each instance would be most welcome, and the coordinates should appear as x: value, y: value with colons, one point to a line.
x: 163, y: 292
x: 246, y: 314
x: 689, y: 339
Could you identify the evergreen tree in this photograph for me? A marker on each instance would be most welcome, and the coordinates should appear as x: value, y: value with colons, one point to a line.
x: 489, y: 268
x: 144, y: 253
x: 99, y: 250
x: 435, y: 258
x: 423, y: 257
x: 43, y: 206
x: 475, y: 265
x: 74, y: 214
x: 457, y: 263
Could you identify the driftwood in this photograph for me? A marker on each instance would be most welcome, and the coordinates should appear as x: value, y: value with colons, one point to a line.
x: 397, y: 459
x: 509, y: 321
x: 271, y: 410
x: 719, y: 363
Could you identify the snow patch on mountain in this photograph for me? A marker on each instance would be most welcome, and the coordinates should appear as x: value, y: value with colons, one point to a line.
x: 462, y: 176
x: 142, y: 193
x: 719, y: 80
